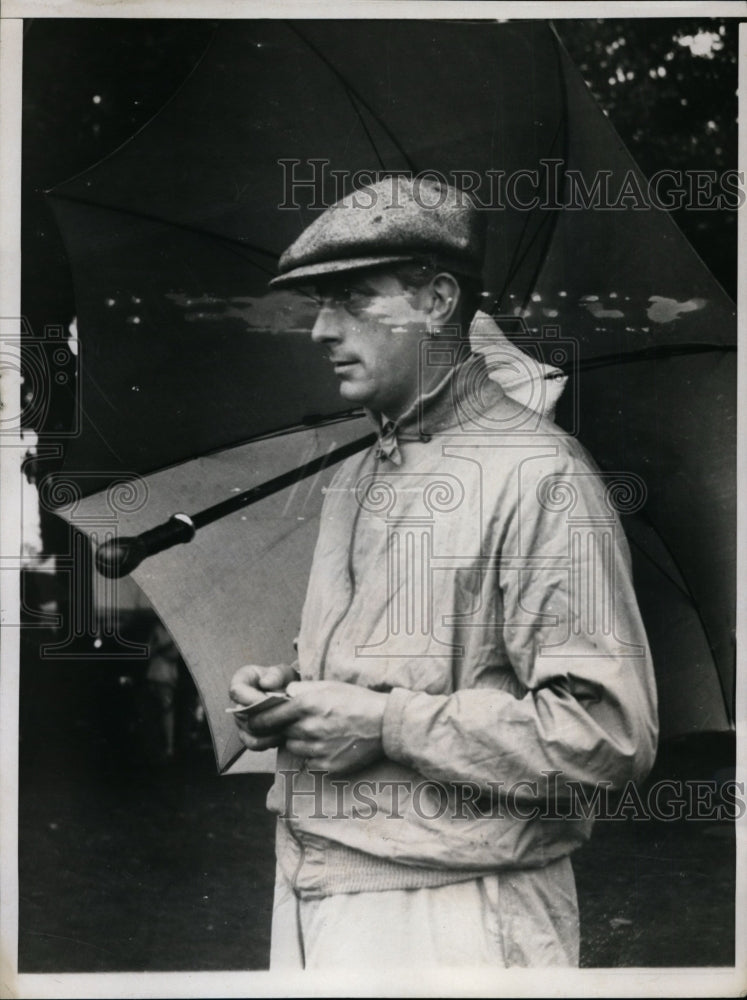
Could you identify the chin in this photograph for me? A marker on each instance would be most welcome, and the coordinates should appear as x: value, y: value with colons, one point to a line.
x: 357, y: 394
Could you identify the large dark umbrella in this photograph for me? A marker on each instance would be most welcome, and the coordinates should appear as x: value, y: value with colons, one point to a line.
x: 191, y: 367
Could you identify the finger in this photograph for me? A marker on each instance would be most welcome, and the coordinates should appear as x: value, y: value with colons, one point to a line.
x: 258, y: 742
x: 247, y: 674
x: 304, y: 729
x: 303, y: 748
x: 271, y: 679
x: 251, y: 679
x: 246, y: 725
x: 278, y: 717
x: 296, y: 688
x: 325, y: 764
x: 243, y: 688
x: 256, y: 728
x: 246, y: 694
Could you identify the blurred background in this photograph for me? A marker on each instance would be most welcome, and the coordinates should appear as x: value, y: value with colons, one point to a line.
x: 134, y: 855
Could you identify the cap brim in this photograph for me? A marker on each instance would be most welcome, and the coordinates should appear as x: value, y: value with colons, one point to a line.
x: 302, y: 275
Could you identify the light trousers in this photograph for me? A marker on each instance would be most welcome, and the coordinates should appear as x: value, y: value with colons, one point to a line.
x: 514, y: 918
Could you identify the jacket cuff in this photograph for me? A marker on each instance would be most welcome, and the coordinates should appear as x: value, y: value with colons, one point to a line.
x: 392, y: 729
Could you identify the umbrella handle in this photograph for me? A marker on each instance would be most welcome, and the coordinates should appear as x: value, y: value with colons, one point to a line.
x: 120, y: 556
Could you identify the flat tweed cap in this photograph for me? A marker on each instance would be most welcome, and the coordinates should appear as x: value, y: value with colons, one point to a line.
x: 395, y: 220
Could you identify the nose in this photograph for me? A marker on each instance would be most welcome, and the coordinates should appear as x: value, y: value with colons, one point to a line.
x: 327, y: 326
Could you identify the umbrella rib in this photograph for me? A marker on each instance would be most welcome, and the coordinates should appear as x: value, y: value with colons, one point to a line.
x: 228, y: 241
x: 101, y: 437
x: 655, y: 353
x: 518, y: 257
x: 518, y: 261
x: 686, y: 592
x: 555, y: 214
x: 350, y: 90
x: 681, y: 588
x: 91, y: 423
x: 649, y: 354
x: 145, y: 125
x: 232, y: 759
x: 307, y: 423
x: 351, y: 97
x: 236, y: 248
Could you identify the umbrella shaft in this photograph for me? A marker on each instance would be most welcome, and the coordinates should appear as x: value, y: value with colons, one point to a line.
x: 120, y: 556
x: 257, y: 493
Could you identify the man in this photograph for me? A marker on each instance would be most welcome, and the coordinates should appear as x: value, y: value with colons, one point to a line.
x: 471, y: 653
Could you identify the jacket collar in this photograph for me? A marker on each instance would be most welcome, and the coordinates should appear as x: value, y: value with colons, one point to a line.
x: 465, y: 390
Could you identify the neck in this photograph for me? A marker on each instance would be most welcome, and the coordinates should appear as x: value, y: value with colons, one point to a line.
x: 433, y: 397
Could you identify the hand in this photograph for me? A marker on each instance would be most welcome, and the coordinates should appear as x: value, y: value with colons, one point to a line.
x: 249, y: 685
x: 334, y: 726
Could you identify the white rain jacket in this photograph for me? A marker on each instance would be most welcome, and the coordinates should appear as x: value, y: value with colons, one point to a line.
x: 473, y: 566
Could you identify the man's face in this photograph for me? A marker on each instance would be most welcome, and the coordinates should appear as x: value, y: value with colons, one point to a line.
x: 372, y: 327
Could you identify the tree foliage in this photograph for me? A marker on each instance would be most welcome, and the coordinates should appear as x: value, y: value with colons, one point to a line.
x: 669, y: 86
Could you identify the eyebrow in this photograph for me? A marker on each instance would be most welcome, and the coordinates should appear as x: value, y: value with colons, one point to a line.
x: 361, y: 285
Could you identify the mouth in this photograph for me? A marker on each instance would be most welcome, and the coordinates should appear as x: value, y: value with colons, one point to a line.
x: 343, y: 364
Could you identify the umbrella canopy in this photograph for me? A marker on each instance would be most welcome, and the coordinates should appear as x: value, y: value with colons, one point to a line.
x: 234, y: 594
x: 175, y: 236
x: 187, y: 358
x: 656, y: 395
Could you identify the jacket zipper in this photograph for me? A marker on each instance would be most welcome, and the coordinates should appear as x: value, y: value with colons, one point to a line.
x: 322, y: 670
x: 301, y: 858
x: 351, y: 578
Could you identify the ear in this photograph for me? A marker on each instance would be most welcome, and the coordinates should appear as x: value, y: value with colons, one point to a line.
x: 445, y: 294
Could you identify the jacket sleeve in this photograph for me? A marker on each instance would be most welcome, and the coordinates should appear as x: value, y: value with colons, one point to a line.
x: 585, y: 704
